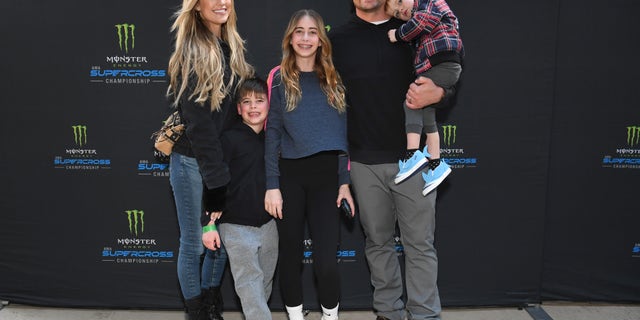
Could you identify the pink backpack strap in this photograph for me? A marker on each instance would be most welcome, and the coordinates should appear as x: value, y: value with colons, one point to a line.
x: 270, y: 80
x: 269, y: 83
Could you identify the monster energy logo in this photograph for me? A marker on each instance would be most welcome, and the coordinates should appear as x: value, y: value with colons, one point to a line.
x: 126, y: 31
x: 633, y: 135
x: 80, y: 134
x: 449, y: 134
x: 136, y: 221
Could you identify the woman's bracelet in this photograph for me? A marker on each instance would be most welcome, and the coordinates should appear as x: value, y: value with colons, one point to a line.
x: 211, y: 227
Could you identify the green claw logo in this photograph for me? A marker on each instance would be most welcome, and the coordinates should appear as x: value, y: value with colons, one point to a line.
x: 633, y: 135
x: 449, y: 134
x: 328, y: 27
x: 126, y: 36
x: 80, y: 135
x: 136, y: 221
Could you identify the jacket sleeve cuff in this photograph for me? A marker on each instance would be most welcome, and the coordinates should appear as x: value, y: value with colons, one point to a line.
x: 449, y: 98
x: 273, y: 182
x: 214, y: 199
x: 344, y: 176
x: 399, y: 36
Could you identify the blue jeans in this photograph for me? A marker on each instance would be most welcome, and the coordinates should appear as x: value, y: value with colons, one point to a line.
x: 186, y: 183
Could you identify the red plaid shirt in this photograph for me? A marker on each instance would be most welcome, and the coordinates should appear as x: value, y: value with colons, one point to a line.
x: 434, y: 29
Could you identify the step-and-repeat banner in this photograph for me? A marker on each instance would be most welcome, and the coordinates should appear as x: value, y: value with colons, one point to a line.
x: 544, y: 140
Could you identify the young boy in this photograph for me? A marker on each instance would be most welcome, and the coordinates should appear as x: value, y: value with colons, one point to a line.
x: 433, y: 29
x: 248, y: 232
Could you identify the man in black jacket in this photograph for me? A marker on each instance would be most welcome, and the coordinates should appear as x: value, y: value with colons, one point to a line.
x: 379, y: 77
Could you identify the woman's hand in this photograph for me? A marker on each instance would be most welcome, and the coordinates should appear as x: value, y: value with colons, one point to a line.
x: 215, y: 215
x: 345, y: 193
x: 273, y: 203
x: 211, y: 239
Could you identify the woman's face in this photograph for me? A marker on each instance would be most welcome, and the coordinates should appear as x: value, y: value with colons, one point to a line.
x: 214, y: 13
x: 305, y: 40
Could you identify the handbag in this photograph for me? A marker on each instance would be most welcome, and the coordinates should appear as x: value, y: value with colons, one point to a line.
x: 173, y: 128
x: 167, y: 136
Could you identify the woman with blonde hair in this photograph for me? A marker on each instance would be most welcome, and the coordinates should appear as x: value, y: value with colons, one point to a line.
x: 306, y: 161
x: 207, y: 64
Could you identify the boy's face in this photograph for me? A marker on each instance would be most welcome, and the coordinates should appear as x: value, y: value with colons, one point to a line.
x: 401, y: 9
x: 252, y: 107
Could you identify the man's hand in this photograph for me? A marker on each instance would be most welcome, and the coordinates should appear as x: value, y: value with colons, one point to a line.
x: 423, y: 92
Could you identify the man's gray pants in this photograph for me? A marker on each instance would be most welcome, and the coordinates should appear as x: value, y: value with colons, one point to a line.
x: 381, y: 204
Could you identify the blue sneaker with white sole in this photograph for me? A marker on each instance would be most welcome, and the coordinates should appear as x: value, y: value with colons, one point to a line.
x: 411, y: 164
x: 433, y: 178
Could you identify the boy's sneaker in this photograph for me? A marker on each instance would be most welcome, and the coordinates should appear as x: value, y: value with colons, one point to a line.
x: 433, y: 178
x: 411, y: 164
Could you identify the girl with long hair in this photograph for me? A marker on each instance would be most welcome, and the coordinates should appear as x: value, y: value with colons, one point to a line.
x: 306, y: 160
x: 204, y: 69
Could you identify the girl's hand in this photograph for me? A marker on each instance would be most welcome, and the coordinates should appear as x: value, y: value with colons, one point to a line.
x: 345, y: 193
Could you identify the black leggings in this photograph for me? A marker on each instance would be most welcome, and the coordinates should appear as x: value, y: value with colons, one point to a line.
x: 309, y: 189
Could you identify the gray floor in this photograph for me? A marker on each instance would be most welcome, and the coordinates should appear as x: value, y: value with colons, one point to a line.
x: 547, y: 311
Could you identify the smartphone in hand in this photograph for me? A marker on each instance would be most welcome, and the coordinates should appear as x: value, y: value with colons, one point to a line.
x: 346, y: 209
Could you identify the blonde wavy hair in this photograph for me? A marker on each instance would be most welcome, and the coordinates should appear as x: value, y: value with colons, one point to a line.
x: 198, y: 53
x: 330, y: 81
